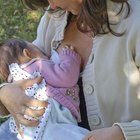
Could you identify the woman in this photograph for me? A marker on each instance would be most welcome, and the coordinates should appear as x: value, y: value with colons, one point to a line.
x: 105, y: 33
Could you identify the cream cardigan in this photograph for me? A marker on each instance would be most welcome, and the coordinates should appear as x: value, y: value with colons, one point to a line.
x: 111, y: 79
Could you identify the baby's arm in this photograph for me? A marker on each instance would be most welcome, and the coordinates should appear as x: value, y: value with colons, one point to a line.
x: 66, y: 73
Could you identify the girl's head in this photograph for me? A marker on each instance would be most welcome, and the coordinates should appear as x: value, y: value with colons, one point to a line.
x: 16, y: 51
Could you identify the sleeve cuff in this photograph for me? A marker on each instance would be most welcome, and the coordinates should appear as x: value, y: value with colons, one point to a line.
x: 70, y: 53
x: 131, y: 130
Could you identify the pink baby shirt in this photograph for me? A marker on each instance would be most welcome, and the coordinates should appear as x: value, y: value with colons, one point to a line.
x: 61, y: 78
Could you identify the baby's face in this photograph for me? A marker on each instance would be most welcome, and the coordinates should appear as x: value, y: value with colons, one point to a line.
x: 35, y: 52
x: 31, y: 53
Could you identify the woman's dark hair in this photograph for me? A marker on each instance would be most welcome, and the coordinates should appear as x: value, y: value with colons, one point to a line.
x: 35, y: 4
x: 10, y: 53
x: 94, y: 17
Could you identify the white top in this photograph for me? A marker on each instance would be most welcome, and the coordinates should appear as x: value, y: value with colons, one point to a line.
x: 111, y: 78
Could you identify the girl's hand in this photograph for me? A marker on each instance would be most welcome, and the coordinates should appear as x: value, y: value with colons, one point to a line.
x: 17, y: 102
x: 68, y: 47
x: 111, y: 133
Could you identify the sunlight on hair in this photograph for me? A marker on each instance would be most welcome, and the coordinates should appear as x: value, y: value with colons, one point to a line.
x: 132, y: 73
x: 33, y: 15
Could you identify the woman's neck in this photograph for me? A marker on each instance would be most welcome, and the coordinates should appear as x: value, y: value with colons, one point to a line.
x: 81, y: 42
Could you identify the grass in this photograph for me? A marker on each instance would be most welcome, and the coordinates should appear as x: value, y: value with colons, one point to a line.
x: 17, y: 22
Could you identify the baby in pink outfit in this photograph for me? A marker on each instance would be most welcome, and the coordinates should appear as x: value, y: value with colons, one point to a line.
x: 22, y: 60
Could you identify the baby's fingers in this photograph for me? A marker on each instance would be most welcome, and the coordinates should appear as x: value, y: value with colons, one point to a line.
x: 68, y: 47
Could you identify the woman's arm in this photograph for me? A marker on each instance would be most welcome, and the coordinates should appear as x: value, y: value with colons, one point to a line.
x: 110, y: 133
x: 3, y: 111
x: 12, y: 96
x: 131, y: 130
x: 121, y: 131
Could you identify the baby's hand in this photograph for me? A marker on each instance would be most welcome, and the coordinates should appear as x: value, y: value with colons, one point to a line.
x: 68, y: 47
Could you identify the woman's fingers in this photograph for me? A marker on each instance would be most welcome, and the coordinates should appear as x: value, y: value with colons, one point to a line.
x: 32, y: 102
x: 89, y: 136
x: 18, y: 103
x: 68, y: 47
x: 22, y: 120
x: 28, y: 82
x: 33, y: 113
x: 17, y: 123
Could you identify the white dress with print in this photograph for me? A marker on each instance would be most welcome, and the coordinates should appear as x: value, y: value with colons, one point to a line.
x: 57, y: 123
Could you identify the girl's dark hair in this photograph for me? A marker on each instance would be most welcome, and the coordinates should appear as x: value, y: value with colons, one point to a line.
x: 10, y: 53
x: 35, y: 4
x: 94, y: 17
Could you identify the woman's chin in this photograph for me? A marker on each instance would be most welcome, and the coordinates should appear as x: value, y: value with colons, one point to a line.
x: 74, y: 12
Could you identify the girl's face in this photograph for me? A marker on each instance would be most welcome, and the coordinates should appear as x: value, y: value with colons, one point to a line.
x: 31, y: 53
x: 35, y: 52
x: 72, y: 6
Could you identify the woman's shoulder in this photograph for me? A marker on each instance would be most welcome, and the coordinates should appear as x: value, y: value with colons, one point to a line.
x: 56, y: 16
x: 133, y: 20
x: 134, y: 11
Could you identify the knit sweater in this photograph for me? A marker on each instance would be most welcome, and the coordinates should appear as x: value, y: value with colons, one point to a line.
x: 111, y: 77
x: 61, y: 78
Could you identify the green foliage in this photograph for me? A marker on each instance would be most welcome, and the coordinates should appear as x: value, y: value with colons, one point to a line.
x: 17, y: 22
x: 2, y: 120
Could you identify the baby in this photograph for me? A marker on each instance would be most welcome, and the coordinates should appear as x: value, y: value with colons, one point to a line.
x: 22, y: 60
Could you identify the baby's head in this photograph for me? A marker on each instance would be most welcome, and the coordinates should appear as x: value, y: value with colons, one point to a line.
x: 16, y: 51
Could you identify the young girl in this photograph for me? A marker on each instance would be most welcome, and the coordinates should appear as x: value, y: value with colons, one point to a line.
x: 22, y: 60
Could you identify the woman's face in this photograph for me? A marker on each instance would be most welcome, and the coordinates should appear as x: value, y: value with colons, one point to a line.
x: 72, y: 6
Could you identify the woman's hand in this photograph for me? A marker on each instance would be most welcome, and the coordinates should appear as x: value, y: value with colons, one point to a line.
x: 111, y: 133
x: 17, y: 102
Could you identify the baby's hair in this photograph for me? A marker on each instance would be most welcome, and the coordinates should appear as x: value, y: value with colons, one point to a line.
x: 10, y: 52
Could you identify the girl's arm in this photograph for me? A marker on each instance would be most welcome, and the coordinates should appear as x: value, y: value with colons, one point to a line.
x: 66, y: 73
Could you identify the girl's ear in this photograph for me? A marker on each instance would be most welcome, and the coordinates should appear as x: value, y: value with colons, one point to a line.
x: 27, y: 53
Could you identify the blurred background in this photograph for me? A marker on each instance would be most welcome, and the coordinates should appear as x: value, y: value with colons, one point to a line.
x: 17, y: 22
